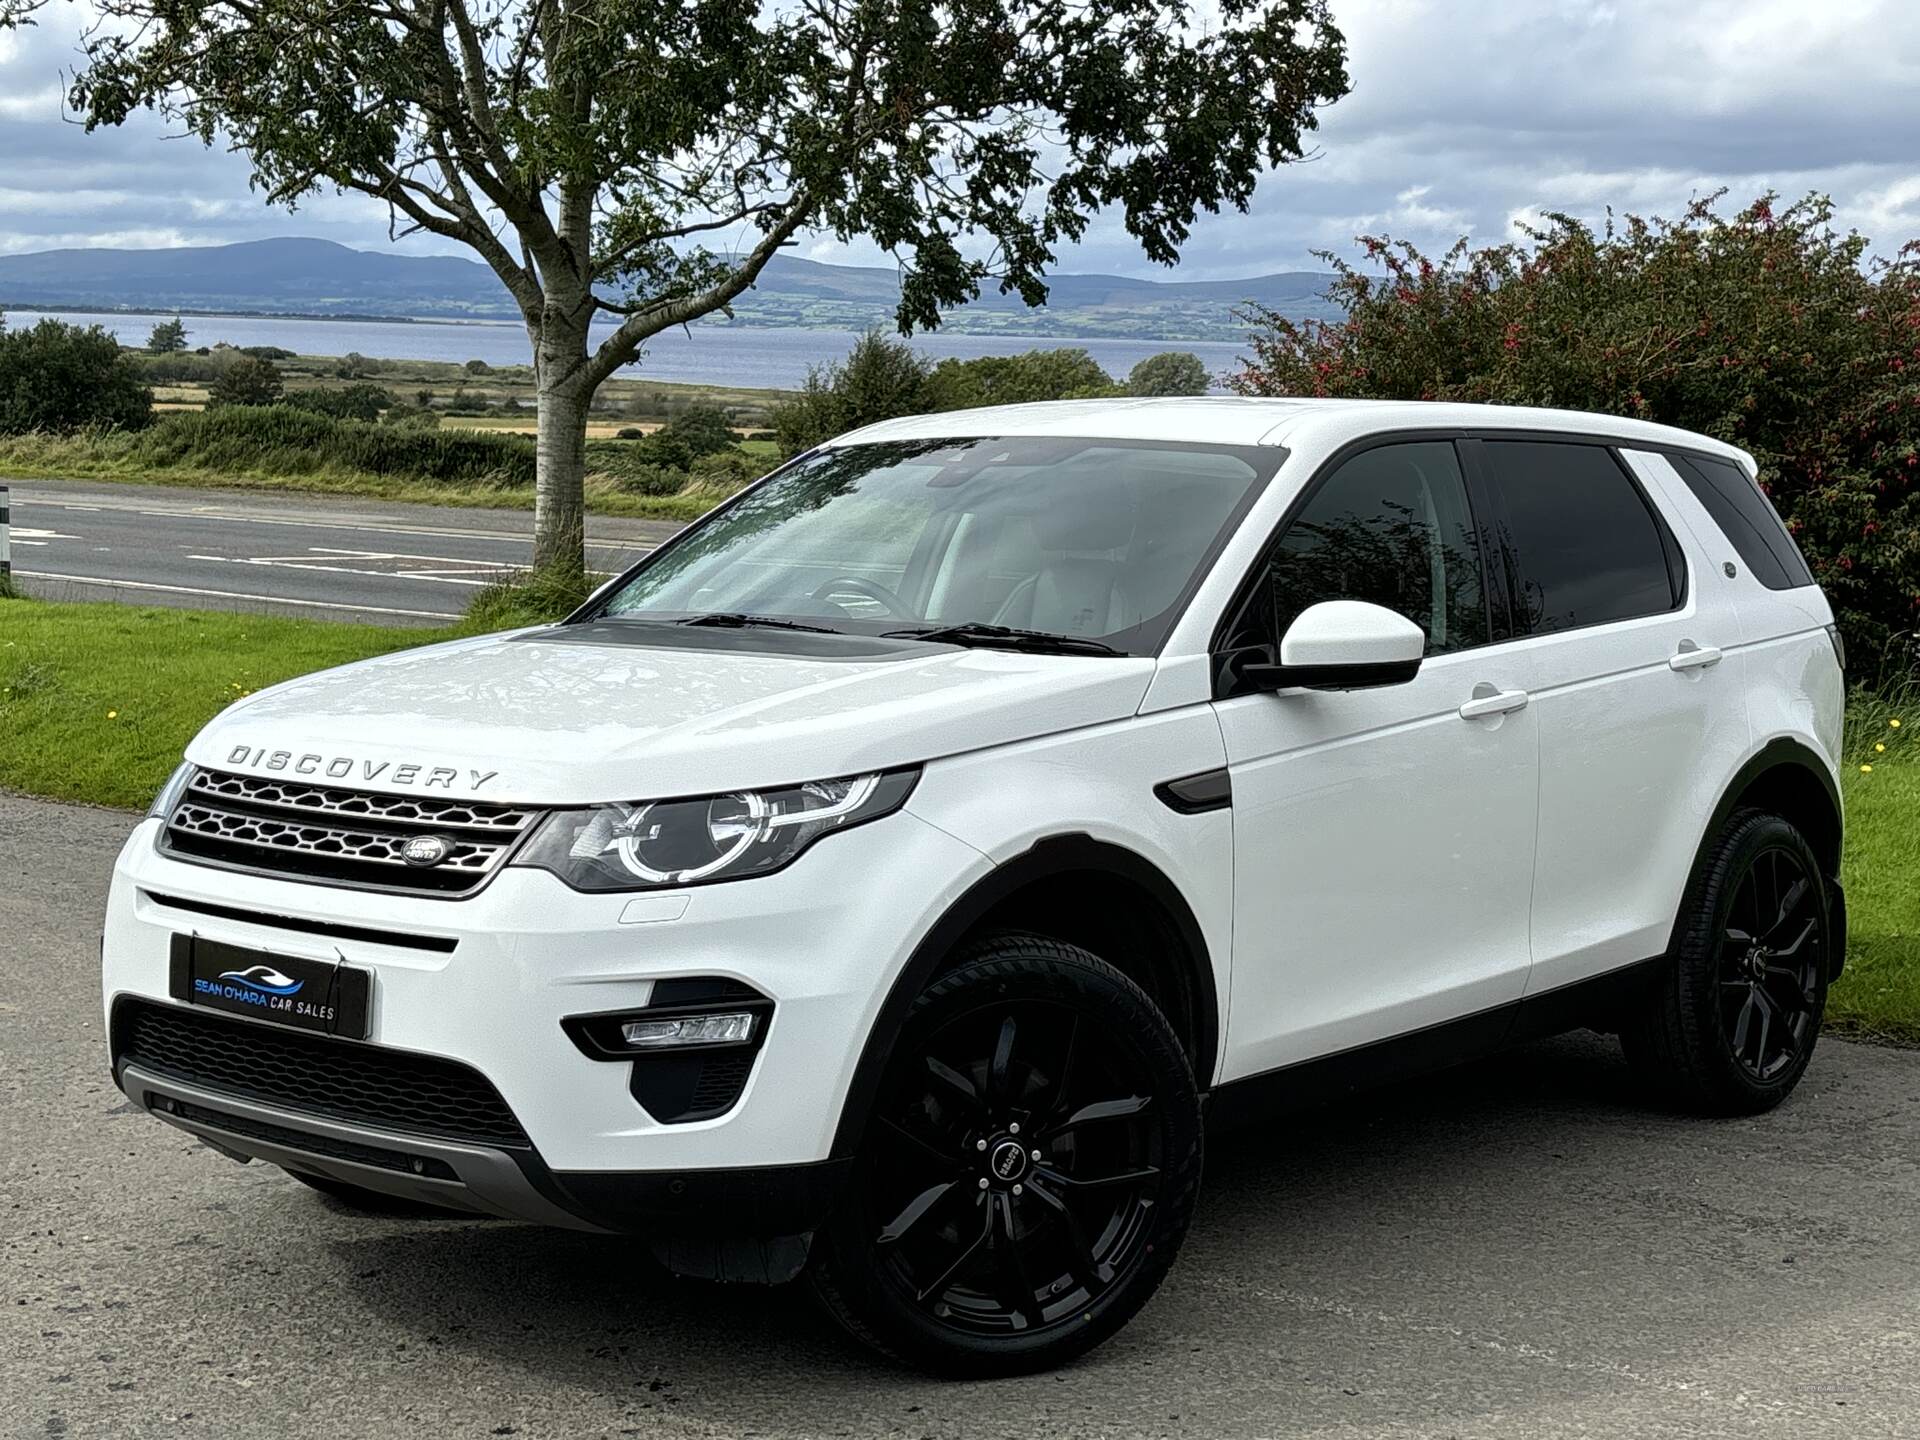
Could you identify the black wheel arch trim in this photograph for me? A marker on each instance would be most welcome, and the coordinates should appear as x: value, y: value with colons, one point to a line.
x: 1056, y: 855
x: 1784, y: 752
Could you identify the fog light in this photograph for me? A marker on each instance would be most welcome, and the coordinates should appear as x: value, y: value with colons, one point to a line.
x: 735, y: 1028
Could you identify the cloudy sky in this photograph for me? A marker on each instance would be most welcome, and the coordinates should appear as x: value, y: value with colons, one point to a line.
x: 1464, y: 115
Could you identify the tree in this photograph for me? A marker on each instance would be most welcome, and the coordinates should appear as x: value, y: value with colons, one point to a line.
x: 881, y: 378
x: 703, y: 429
x: 247, y: 380
x: 60, y: 377
x: 168, y: 337
x: 477, y: 367
x: 1069, y: 374
x: 1172, y: 372
x: 1765, y: 328
x: 584, y: 149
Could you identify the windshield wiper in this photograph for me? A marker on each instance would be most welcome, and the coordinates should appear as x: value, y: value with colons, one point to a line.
x: 736, y: 620
x: 1005, y: 637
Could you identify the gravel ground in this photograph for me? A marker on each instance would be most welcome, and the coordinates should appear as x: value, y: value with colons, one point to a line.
x: 1515, y: 1249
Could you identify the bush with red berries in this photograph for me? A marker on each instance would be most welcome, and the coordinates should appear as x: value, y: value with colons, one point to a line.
x: 1767, y: 328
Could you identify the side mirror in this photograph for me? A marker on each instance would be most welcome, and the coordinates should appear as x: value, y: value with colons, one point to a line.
x: 1343, y: 645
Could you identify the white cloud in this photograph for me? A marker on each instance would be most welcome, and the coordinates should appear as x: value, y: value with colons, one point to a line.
x: 1463, y: 119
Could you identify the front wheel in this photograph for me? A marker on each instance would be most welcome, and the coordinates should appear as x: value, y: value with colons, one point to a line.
x: 1028, y: 1172
x: 1730, y: 1025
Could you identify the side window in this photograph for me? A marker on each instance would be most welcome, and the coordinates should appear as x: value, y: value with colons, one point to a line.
x: 1391, y: 526
x: 1587, y: 546
x: 1747, y: 519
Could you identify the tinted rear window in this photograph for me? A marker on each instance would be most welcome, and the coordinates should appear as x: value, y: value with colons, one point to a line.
x: 1747, y: 519
x: 1587, y: 546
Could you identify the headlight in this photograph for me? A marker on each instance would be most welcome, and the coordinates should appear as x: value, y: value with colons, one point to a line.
x: 652, y: 844
x: 170, y: 792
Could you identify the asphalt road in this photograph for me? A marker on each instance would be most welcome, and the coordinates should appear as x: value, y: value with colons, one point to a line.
x: 1516, y: 1250
x: 341, y: 558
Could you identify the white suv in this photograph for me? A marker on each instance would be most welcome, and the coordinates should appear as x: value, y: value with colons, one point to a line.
x: 888, y: 876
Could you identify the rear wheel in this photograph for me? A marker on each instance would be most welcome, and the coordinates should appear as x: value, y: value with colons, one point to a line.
x: 1029, y: 1170
x: 1730, y: 1026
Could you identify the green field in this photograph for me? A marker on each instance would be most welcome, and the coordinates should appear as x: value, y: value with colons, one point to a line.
x: 97, y: 701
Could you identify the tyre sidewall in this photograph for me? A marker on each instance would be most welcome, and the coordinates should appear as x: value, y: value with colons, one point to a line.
x: 1748, y: 835
x: 1024, y: 968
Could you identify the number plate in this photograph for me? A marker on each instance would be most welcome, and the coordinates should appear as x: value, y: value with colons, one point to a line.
x: 320, y: 995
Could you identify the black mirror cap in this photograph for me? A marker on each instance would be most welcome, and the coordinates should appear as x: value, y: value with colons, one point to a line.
x: 1268, y: 676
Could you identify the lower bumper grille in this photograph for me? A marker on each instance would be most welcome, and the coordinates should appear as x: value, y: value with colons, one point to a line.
x: 341, y: 1080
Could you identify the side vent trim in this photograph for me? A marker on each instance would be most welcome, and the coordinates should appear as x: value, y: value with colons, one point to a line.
x: 1197, y: 794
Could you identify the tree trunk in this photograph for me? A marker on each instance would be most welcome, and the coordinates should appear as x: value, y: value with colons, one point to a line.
x: 560, y: 458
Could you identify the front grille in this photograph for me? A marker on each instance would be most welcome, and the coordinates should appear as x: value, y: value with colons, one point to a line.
x: 343, y: 1080
x: 346, y: 837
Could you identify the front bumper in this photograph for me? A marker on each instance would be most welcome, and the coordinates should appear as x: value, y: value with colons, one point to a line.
x: 823, y: 939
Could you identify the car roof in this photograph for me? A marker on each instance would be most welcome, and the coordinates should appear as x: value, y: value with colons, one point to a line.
x: 1244, y: 420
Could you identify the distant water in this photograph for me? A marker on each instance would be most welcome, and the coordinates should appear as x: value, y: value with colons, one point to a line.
x: 741, y: 355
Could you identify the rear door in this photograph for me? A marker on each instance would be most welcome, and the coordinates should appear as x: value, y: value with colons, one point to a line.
x: 1635, y: 686
x: 1383, y: 838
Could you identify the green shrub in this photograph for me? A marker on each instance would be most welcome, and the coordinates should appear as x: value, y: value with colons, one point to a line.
x: 629, y: 432
x: 1068, y: 374
x: 413, y: 417
x: 1172, y: 372
x: 247, y: 380
x: 60, y: 378
x: 1764, y: 329
x: 880, y: 379
x: 532, y: 597
x: 359, y: 401
x: 202, y: 367
x: 703, y: 429
x: 269, y: 352
x: 726, y: 465
x: 283, y: 440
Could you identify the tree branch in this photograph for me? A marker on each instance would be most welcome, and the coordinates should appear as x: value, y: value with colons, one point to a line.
x: 621, y: 346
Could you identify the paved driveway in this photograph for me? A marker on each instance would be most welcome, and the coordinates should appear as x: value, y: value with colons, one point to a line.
x: 1515, y: 1250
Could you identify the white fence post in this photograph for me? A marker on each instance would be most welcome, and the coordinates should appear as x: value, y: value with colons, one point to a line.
x: 6, y: 550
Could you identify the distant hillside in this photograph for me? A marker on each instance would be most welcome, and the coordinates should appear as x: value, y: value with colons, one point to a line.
x: 318, y: 277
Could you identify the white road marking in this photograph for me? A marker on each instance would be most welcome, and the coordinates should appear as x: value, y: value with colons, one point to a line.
x: 638, y: 547
x: 23, y: 535
x: 489, y: 572
x: 232, y: 595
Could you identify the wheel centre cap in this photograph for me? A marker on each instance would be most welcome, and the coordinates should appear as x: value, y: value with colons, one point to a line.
x: 1008, y: 1161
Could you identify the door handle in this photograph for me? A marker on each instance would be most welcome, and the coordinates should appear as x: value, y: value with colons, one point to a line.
x: 1694, y: 657
x: 1493, y: 702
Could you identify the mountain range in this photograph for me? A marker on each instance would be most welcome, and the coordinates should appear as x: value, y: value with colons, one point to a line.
x: 296, y: 276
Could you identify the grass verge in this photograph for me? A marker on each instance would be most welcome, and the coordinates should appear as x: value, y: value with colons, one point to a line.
x: 279, y: 450
x: 97, y: 702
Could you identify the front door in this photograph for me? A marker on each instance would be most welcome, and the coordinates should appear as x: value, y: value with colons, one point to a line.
x: 1383, y: 839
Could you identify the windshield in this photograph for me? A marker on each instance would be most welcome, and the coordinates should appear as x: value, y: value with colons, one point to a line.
x: 1101, y: 540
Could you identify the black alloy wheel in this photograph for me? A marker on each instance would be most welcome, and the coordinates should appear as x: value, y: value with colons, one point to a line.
x: 1730, y: 1022
x: 1771, y: 962
x: 1029, y: 1169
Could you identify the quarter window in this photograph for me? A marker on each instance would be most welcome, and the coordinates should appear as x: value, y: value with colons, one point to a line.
x: 1587, y: 546
x: 1747, y: 519
x: 1391, y: 526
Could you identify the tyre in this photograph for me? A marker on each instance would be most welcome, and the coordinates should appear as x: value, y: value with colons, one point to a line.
x: 373, y: 1202
x: 1029, y: 1170
x: 1730, y: 1024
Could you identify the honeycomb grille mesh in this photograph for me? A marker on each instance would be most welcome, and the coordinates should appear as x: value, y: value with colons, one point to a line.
x: 317, y: 832
x: 334, y: 1079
